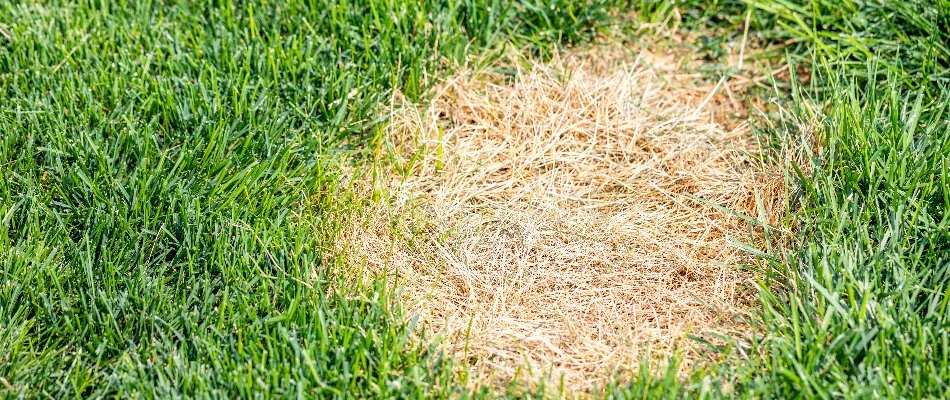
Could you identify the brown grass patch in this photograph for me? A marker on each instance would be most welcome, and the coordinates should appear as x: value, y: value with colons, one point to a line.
x: 545, y: 222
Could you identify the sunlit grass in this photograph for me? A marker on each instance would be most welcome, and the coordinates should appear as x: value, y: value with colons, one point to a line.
x: 858, y: 307
x: 170, y: 181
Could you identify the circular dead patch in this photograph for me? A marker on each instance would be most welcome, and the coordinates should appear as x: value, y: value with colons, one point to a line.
x: 563, y: 221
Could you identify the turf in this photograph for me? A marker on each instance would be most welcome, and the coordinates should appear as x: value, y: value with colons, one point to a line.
x: 862, y: 306
x: 169, y: 181
x: 857, y: 308
x: 168, y: 186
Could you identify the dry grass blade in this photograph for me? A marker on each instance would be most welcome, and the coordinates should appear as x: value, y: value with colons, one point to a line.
x: 547, y: 219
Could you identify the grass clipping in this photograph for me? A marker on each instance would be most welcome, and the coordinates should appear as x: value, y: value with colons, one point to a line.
x: 544, y: 222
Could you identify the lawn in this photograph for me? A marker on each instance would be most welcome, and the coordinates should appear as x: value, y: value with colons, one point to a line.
x: 175, y: 177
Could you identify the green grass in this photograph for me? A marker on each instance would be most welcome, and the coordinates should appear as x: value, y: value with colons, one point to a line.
x: 858, y: 308
x: 861, y: 308
x: 170, y: 181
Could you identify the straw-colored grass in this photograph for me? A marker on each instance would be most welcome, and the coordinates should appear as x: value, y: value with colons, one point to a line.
x: 557, y: 222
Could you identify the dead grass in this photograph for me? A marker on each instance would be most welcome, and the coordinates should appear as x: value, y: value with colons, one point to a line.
x: 548, y: 223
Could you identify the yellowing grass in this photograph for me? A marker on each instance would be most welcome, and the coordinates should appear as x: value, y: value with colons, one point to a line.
x: 548, y: 223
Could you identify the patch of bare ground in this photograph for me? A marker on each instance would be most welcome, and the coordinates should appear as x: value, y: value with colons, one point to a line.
x: 565, y: 219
